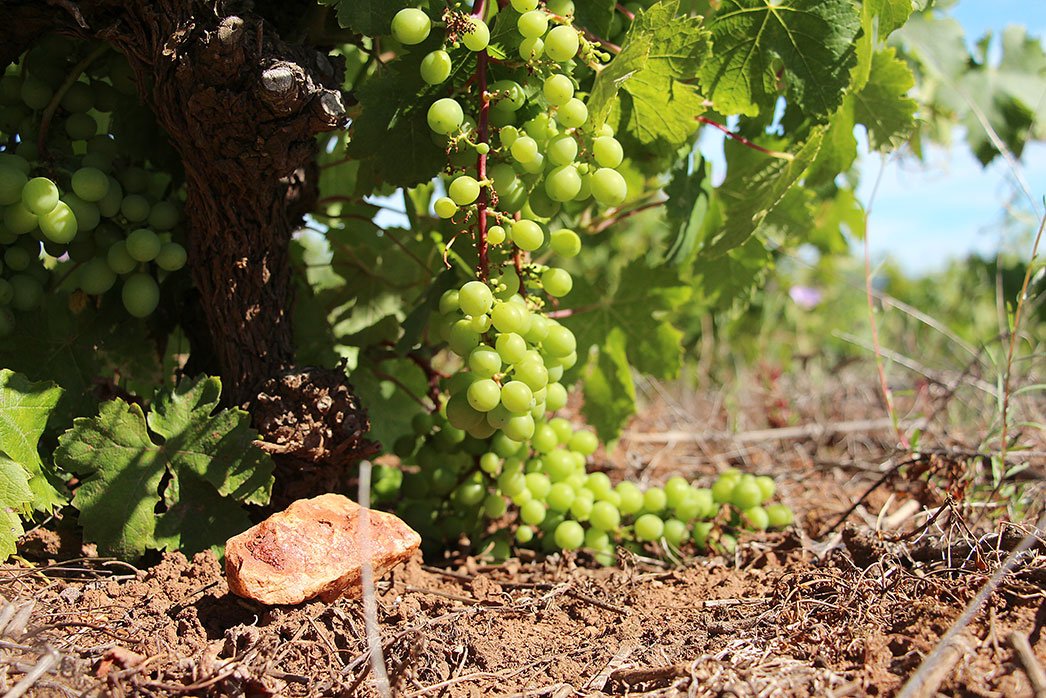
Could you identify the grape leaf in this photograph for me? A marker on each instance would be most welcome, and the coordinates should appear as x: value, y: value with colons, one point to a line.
x: 595, y: 15
x: 122, y: 469
x: 195, y: 512
x: 126, y: 474
x: 1008, y: 95
x: 610, y: 394
x: 754, y: 184
x: 690, y: 207
x: 728, y: 281
x: 882, y: 105
x: 370, y: 17
x: 24, y: 409
x: 660, y: 51
x: 391, y: 131
x: 390, y: 405
x: 216, y: 445
x: 638, y: 307
x: 810, y: 41
x: 879, y: 18
x: 15, y: 499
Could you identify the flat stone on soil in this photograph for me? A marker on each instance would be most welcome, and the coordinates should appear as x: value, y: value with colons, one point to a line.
x: 314, y: 549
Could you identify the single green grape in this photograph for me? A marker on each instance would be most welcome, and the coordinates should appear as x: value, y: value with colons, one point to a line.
x: 140, y: 295
x: 59, y: 224
x: 561, y: 150
x: 565, y: 242
x: 746, y: 494
x: 527, y: 235
x: 631, y: 498
x: 172, y: 256
x: 12, y: 180
x: 484, y: 395
x: 524, y: 149
x: 40, y: 195
x: 605, y: 516
x: 561, y: 43
x: 757, y: 517
x: 557, y: 89
x: 560, y: 341
x: 607, y: 151
x: 143, y: 245
x: 445, y: 207
x: 556, y: 399
x: 532, y: 24
x: 475, y: 298
x: 496, y: 235
x: 510, y: 347
x: 608, y: 186
x: 135, y: 208
x: 522, y: 6
x: 556, y: 282
x: 572, y: 114
x: 531, y: 48
x: 766, y: 486
x: 649, y: 527
x: 445, y: 116
x: 675, y: 532
x: 654, y: 500
x: 411, y: 26
x: 435, y: 67
x: 779, y: 516
x: 569, y: 535
x: 517, y: 397
x: 479, y: 36
x: 563, y: 183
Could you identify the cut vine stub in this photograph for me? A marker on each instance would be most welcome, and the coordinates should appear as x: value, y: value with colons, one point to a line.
x: 314, y: 425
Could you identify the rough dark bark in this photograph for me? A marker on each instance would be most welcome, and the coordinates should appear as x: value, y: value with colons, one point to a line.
x: 242, y: 108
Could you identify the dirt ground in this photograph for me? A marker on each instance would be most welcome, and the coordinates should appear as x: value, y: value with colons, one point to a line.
x: 808, y: 612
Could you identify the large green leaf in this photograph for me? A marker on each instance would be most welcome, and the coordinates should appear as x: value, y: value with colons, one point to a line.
x: 391, y: 131
x: 660, y: 52
x: 810, y: 41
x: 24, y: 409
x: 204, y: 458
x: 370, y: 17
x: 610, y: 394
x: 754, y: 185
x: 639, y: 307
x: 883, y: 105
x: 15, y: 500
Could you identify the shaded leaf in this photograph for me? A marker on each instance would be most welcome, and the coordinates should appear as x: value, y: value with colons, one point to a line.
x: 610, y: 394
x: 810, y: 41
x: 15, y: 500
x: 24, y: 409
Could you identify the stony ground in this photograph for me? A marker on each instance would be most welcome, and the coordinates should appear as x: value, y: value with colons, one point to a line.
x: 810, y: 612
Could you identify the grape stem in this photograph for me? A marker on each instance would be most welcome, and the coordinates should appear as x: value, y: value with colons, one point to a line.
x: 625, y: 11
x: 56, y: 99
x: 744, y: 141
x: 483, y: 271
x: 622, y: 215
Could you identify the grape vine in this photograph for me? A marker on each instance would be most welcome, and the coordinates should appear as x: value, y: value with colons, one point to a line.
x: 557, y: 233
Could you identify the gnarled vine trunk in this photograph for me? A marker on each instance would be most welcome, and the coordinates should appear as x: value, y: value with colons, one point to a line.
x: 242, y: 107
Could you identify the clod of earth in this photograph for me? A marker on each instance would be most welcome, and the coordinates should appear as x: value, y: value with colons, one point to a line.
x: 315, y: 548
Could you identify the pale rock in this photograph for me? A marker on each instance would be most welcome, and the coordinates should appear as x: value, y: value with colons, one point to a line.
x: 314, y: 549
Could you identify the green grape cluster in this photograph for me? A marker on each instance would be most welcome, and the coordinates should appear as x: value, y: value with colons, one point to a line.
x: 494, y: 463
x: 79, y: 210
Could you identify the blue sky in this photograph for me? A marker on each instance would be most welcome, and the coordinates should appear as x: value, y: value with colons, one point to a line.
x: 922, y: 215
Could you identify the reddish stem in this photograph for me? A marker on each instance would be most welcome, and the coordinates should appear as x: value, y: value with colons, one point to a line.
x: 481, y: 162
x: 742, y: 140
x: 625, y: 11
